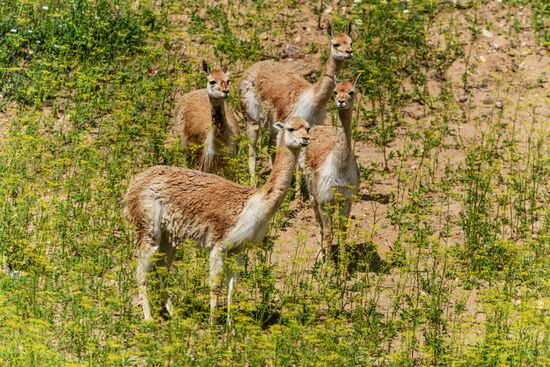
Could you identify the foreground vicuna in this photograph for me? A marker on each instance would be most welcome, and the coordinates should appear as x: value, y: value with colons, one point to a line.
x: 202, y: 117
x: 168, y: 205
x: 330, y: 168
x: 270, y: 92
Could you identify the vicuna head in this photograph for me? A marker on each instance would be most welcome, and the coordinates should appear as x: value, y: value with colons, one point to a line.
x: 295, y: 132
x: 344, y: 93
x: 218, y: 82
x: 340, y: 44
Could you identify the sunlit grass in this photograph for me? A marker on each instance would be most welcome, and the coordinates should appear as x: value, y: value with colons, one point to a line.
x: 87, y: 93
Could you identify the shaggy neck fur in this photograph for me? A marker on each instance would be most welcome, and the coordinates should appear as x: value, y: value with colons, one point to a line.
x: 219, y: 119
x: 324, y: 87
x: 280, y: 178
x: 312, y: 104
x: 218, y: 111
x: 218, y: 114
x: 342, y: 147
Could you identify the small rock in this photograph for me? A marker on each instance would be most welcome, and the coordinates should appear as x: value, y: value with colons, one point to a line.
x: 482, y: 59
x: 499, y: 103
x: 292, y: 52
x: 495, y: 46
x: 482, y: 85
x: 488, y: 100
x: 486, y: 33
x: 463, y: 99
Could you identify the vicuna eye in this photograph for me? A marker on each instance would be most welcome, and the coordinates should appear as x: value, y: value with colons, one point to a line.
x: 351, y: 93
x: 335, y: 92
x: 212, y: 82
x: 291, y: 129
x: 336, y: 45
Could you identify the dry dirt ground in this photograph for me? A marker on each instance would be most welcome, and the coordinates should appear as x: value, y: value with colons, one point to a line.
x: 510, y: 71
x: 507, y: 82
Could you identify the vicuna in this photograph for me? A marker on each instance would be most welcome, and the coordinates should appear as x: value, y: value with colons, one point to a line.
x: 330, y: 168
x: 269, y: 93
x: 202, y: 117
x: 168, y: 205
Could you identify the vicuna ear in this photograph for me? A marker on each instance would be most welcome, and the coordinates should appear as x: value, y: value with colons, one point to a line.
x: 357, y: 79
x: 278, y: 126
x: 330, y: 30
x: 348, y: 31
x: 205, y: 67
x: 225, y: 65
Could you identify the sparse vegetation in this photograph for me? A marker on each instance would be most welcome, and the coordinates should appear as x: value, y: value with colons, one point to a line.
x: 446, y: 259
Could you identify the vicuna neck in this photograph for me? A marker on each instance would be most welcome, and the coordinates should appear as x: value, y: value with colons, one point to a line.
x: 324, y: 87
x: 342, y: 149
x: 279, y: 180
x: 218, y: 112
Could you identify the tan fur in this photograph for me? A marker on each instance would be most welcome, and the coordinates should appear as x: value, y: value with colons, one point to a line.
x: 168, y: 205
x: 182, y: 193
x: 204, y: 111
x: 270, y: 92
x: 279, y: 90
x: 322, y: 142
x: 330, y: 167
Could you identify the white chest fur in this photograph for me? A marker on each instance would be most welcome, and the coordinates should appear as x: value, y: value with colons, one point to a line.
x: 209, y: 144
x: 335, y: 177
x: 252, y: 223
x: 309, y: 110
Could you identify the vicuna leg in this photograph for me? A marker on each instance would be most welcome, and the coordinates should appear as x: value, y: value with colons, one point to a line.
x: 155, y: 251
x: 215, y: 279
x: 167, y: 253
x: 207, y: 163
x: 298, y: 183
x: 327, y: 231
x: 154, y: 257
x: 252, y: 132
x: 324, y: 233
x: 148, y: 250
x: 233, y: 277
x: 344, y: 216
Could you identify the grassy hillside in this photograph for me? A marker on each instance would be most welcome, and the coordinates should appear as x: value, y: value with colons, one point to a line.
x: 446, y: 262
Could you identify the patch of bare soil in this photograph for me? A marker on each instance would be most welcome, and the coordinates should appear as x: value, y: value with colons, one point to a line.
x: 507, y: 77
x: 502, y: 78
